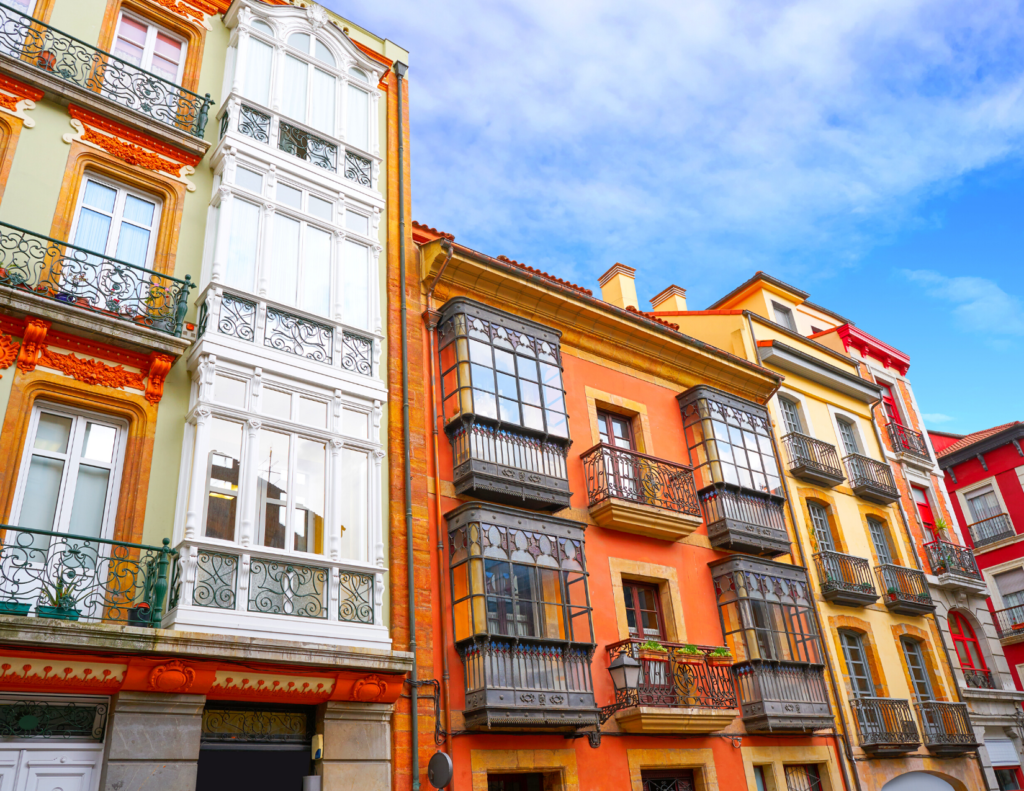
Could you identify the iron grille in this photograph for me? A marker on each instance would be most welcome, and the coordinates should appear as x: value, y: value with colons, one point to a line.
x: 838, y: 571
x: 236, y: 723
x: 627, y: 475
x: 945, y: 557
x: 51, y: 719
x: 805, y: 451
x: 906, y: 440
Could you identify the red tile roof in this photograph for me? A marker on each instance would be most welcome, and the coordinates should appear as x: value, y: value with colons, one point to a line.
x: 977, y: 436
x: 545, y: 275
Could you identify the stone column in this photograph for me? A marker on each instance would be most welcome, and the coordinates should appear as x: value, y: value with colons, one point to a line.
x: 357, y: 746
x: 152, y: 742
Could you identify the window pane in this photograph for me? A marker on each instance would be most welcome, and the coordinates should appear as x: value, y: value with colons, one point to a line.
x: 139, y: 211
x: 133, y: 244
x: 225, y: 462
x: 245, y: 233
x: 131, y: 41
x: 532, y: 418
x: 259, y: 24
x: 52, y: 433
x: 229, y: 391
x: 249, y: 179
x: 289, y: 196
x: 99, y: 442
x: 354, y: 424
x: 277, y: 404
x: 90, y: 499
x: 273, y: 487
x: 93, y: 231
x: 300, y: 41
x: 358, y: 132
x: 296, y: 73
x: 354, y: 474
x: 284, y: 273
x: 355, y: 287
x: 257, y: 71
x: 323, y: 54
x: 321, y: 208
x: 321, y: 114
x: 312, y: 413
x: 359, y: 223
x: 310, y: 482
x: 316, y: 271
x: 39, y: 505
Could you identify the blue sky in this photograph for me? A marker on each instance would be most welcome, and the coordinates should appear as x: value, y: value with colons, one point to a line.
x: 866, y: 151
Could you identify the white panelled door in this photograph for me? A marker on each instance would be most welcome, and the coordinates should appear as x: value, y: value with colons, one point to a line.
x: 39, y: 767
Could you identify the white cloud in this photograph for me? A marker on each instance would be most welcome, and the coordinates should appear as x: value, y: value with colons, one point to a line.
x: 701, y: 138
x: 936, y: 417
x: 981, y: 305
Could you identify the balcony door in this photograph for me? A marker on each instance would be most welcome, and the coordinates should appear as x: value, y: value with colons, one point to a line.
x: 861, y: 684
x: 623, y: 477
x: 892, y: 412
x: 794, y: 427
x: 643, y: 616
x: 880, y: 541
x: 924, y: 510
x: 154, y: 51
x: 920, y: 683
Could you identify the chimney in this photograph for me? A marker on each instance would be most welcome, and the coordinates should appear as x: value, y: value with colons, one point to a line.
x: 672, y: 298
x: 618, y: 288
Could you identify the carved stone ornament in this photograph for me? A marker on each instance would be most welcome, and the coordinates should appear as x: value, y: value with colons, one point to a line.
x: 172, y: 677
x: 8, y: 351
x: 92, y: 372
x: 16, y: 98
x: 369, y: 689
x: 32, y: 341
x: 192, y: 10
x: 317, y: 16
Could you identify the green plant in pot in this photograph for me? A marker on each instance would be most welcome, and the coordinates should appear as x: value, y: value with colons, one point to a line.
x: 892, y: 593
x: 652, y: 649
x: 690, y: 652
x: 61, y: 597
x: 721, y: 655
x: 14, y: 608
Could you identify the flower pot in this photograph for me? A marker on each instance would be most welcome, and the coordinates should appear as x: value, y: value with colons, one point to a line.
x: 14, y: 608
x: 721, y: 660
x: 57, y: 613
x: 1017, y: 626
x: 892, y: 597
x: 139, y: 615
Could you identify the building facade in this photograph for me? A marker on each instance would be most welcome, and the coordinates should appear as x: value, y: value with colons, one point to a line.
x: 984, y: 472
x: 196, y: 230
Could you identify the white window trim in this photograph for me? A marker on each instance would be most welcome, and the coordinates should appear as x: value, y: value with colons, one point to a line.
x: 118, y: 215
x: 152, y: 28
x: 800, y: 402
x: 835, y: 415
x: 986, y: 483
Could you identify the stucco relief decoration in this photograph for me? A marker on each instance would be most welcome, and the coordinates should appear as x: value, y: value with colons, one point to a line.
x: 22, y: 672
x: 172, y: 677
x: 317, y: 16
x: 192, y: 10
x: 8, y: 351
x: 16, y: 98
x: 130, y: 146
x: 91, y: 372
x: 274, y: 687
x: 159, y: 367
x: 31, y: 343
x: 369, y: 689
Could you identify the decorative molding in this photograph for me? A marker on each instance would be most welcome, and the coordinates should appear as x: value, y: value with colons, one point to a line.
x: 317, y: 16
x: 240, y: 685
x: 174, y: 676
x: 16, y: 98
x: 92, y: 372
x: 159, y: 367
x: 38, y: 673
x: 192, y: 10
x: 8, y: 351
x: 31, y: 343
x: 370, y: 689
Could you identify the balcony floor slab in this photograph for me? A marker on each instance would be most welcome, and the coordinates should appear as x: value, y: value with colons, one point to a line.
x: 644, y: 520
x: 657, y: 719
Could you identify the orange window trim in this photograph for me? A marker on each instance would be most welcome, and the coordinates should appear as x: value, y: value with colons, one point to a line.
x: 850, y: 623
x: 170, y: 192
x: 10, y: 131
x: 36, y: 385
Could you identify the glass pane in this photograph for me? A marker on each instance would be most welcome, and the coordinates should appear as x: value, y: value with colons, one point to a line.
x: 272, y: 486
x: 316, y: 271
x: 93, y: 231
x: 52, y: 433
x: 507, y: 386
x: 245, y: 236
x: 509, y: 410
x: 249, y: 179
x: 296, y: 72
x: 277, y: 404
x: 321, y: 115
x: 533, y: 418
x: 355, y: 424
x: 359, y: 223
x: 259, y: 24
x: 90, y: 499
x: 485, y: 404
x: 355, y: 287
x: 300, y: 41
x: 99, y: 442
x: 99, y: 196
x: 225, y: 463
x: 358, y: 131
x: 257, y: 71
x: 139, y: 211
x: 289, y: 196
x: 321, y: 208
x: 39, y: 505
x: 323, y: 54
x: 229, y: 391
x: 504, y: 361
x: 284, y: 273
x: 310, y: 482
x: 133, y: 244
x: 530, y: 393
x: 354, y: 476
x: 312, y: 413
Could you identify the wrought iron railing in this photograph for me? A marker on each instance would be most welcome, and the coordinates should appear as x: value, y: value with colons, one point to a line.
x: 906, y: 440
x: 945, y: 557
x: 306, y: 144
x: 805, y: 451
x: 69, y: 577
x: 258, y: 582
x: 527, y: 668
x: 684, y: 676
x: 763, y: 685
x: 751, y: 508
x: 945, y: 724
x: 902, y: 584
x: 1010, y: 621
x: 885, y: 722
x: 509, y: 449
x: 44, y: 48
x: 988, y: 531
x: 627, y: 475
x: 840, y: 572
x: 81, y: 719
x: 263, y: 323
x: 74, y: 276
x: 863, y: 470
x: 979, y: 678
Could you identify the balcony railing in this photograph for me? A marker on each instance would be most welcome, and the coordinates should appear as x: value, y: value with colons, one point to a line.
x: 744, y: 521
x: 845, y: 579
x: 522, y: 682
x: 979, y: 678
x: 46, y: 49
x: 906, y: 440
x: 778, y: 696
x: 671, y: 679
x: 812, y: 459
x: 275, y: 326
x: 69, y: 577
x: 947, y: 727
x: 870, y: 479
x: 74, y: 276
x: 904, y: 590
x: 314, y: 147
x: 885, y: 725
x: 626, y: 475
x: 1010, y: 622
x: 990, y: 530
x: 952, y: 560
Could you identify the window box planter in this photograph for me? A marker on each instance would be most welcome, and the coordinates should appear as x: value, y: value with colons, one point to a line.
x: 720, y: 659
x: 139, y: 615
x: 14, y: 608
x: 57, y: 613
x: 1017, y: 626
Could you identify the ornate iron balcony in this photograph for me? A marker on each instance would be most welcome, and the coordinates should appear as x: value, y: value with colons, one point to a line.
x: 68, y: 577
x: 45, y: 49
x: 905, y: 590
x: 744, y: 520
x: 905, y: 440
x: 1010, y: 622
x: 76, y: 277
x: 990, y: 530
x: 813, y: 460
x: 979, y: 678
x: 522, y: 682
x: 845, y: 579
x: 871, y: 480
x: 885, y: 725
x: 947, y: 727
x: 950, y: 561
x: 782, y: 696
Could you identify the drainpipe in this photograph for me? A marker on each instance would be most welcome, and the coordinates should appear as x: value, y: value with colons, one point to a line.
x: 400, y: 70
x: 814, y: 609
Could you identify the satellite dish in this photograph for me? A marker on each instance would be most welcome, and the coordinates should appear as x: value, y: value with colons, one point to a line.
x: 440, y: 770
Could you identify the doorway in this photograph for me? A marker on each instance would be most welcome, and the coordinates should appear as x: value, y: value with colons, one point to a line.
x: 515, y: 782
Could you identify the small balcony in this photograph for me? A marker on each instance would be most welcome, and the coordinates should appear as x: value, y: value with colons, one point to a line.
x: 954, y: 566
x: 66, y: 577
x: 947, y: 728
x: 640, y: 494
x: 908, y: 444
x: 904, y: 591
x: 979, y: 678
x: 523, y: 683
x: 682, y: 689
x: 78, y: 72
x: 871, y: 480
x: 885, y: 726
x: 782, y: 696
x: 813, y: 460
x: 744, y: 520
x: 845, y: 579
x: 1010, y: 622
x: 989, y: 531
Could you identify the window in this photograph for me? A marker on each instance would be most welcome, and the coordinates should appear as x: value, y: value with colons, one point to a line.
x: 643, y: 611
x: 983, y: 504
x: 258, y: 69
x: 815, y: 330
x: 358, y: 126
x: 892, y: 412
x: 880, y: 541
x: 1007, y: 779
x: 116, y: 222
x: 150, y: 48
x: 791, y: 416
x: 615, y: 430
x: 968, y: 649
x: 848, y: 435
x: 803, y: 777
x: 1011, y: 590
x: 784, y: 316
x: 70, y: 472
x: 822, y: 531
x: 914, y: 657
x: 924, y: 510
x: 759, y: 779
x: 858, y: 671
x: 310, y: 93
x: 515, y: 782
x: 676, y: 780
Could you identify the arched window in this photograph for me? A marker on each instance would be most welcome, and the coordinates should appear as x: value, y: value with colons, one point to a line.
x: 309, y: 92
x: 263, y: 27
x: 968, y: 648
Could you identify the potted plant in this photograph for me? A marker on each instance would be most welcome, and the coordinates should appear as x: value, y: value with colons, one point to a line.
x: 652, y: 649
x: 14, y: 608
x: 892, y: 593
x: 689, y: 653
x: 139, y: 614
x: 62, y: 600
x: 721, y: 656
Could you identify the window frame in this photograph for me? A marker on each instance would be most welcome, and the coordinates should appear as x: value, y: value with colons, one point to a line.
x: 883, y: 538
x: 850, y: 434
x: 819, y: 512
x: 851, y: 641
x: 909, y: 647
x: 890, y: 404
x: 784, y: 316
x: 791, y: 418
x: 812, y: 773
x: 630, y: 589
x: 966, y: 628
x: 152, y: 29
x: 117, y: 216
x: 930, y: 531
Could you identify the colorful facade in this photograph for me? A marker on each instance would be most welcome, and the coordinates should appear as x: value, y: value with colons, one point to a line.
x: 197, y: 224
